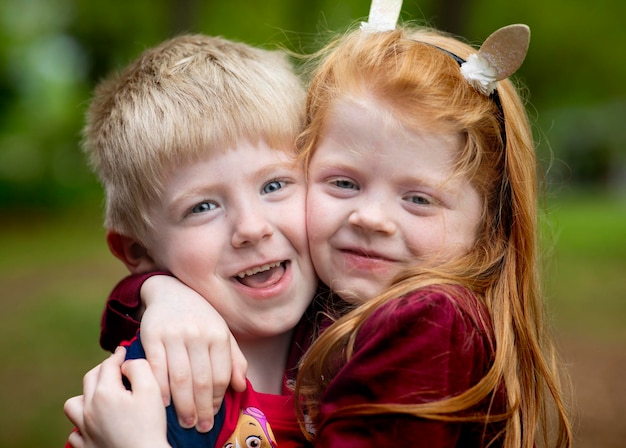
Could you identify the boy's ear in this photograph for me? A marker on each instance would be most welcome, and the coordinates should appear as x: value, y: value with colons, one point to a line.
x: 132, y: 253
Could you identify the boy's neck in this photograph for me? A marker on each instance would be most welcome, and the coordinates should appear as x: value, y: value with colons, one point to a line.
x: 267, y: 359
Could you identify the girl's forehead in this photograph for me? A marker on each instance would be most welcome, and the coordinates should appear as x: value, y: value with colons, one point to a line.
x: 366, y: 120
x: 361, y: 129
x: 419, y: 118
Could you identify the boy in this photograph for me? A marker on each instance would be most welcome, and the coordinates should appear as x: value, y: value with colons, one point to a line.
x: 193, y: 143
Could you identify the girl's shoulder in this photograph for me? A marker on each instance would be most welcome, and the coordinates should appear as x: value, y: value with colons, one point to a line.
x: 440, y: 335
x: 451, y: 308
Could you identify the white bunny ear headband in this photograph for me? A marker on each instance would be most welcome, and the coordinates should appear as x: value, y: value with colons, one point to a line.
x: 500, y: 56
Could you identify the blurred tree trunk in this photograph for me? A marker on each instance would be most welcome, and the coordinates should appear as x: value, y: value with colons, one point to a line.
x: 184, y: 15
x: 451, y: 15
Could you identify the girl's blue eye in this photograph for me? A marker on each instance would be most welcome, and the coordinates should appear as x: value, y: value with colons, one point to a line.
x: 203, y: 207
x: 273, y: 186
x: 345, y: 184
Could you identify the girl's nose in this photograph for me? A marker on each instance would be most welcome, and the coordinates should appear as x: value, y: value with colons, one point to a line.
x: 373, y: 218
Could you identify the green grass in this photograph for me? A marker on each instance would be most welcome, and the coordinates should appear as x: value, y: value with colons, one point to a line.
x: 586, y: 278
x: 55, y: 273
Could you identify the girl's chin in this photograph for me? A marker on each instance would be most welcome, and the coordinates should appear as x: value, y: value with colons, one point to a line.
x: 357, y: 294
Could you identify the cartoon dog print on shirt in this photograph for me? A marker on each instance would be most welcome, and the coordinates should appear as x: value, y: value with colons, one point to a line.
x: 252, y: 431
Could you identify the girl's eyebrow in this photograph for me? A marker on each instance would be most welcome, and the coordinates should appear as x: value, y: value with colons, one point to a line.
x: 335, y: 164
x: 407, y: 180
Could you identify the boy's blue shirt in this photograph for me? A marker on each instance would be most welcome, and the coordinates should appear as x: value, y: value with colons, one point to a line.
x: 177, y: 436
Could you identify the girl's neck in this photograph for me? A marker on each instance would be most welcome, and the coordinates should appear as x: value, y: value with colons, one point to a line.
x: 267, y: 359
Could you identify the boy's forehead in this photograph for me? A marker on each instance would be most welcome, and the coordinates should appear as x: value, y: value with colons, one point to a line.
x: 255, y: 152
x: 241, y: 158
x: 260, y: 144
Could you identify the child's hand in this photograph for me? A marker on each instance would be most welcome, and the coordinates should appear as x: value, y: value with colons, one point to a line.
x: 108, y: 415
x: 191, y: 350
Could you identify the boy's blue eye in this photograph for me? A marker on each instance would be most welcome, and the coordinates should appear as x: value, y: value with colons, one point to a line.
x: 273, y: 186
x: 203, y: 207
x: 419, y: 200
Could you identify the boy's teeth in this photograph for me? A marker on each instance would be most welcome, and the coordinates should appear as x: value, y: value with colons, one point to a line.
x: 257, y: 269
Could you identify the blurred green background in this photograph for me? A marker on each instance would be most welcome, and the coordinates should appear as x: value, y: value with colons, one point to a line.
x: 55, y: 270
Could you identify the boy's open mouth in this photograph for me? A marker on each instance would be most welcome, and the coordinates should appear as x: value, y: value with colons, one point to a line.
x: 262, y: 276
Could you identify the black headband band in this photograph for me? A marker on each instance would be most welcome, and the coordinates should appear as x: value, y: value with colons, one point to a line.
x: 495, y: 97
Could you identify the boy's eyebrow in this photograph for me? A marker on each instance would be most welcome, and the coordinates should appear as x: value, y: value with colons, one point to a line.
x: 206, y: 188
x: 173, y: 205
x: 284, y: 165
x: 190, y: 193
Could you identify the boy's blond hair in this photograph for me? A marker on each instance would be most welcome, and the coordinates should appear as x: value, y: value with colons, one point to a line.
x: 188, y: 95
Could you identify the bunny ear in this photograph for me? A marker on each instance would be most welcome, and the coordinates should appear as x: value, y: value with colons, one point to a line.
x: 498, y: 58
x: 506, y: 49
x: 383, y: 16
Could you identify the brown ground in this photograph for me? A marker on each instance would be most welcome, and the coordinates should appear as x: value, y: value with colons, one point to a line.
x: 598, y: 374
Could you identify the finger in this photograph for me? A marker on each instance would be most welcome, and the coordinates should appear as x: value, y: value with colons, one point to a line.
x: 156, y: 355
x: 142, y: 379
x: 221, y: 368
x: 181, y: 386
x: 203, y: 385
x: 239, y: 366
x: 73, y: 408
x: 89, y: 382
x: 75, y: 440
x: 109, y: 375
x: 114, y: 362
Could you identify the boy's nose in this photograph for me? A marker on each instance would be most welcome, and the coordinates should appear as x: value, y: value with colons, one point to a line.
x: 372, y: 218
x: 250, y: 229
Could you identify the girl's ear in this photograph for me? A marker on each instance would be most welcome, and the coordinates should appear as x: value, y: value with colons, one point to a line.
x: 131, y: 252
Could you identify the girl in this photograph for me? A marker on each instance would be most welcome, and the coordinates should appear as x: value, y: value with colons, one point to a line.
x: 422, y: 174
x: 422, y: 171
